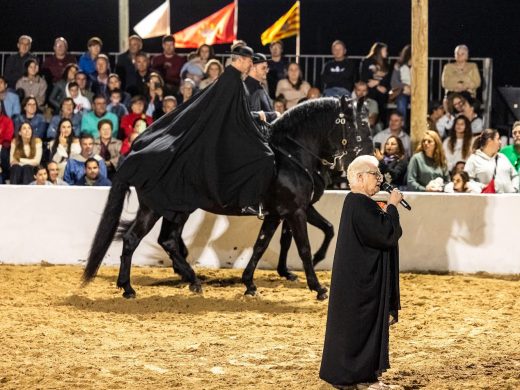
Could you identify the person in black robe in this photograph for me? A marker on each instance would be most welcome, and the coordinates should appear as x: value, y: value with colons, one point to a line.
x: 364, y: 291
x: 208, y: 153
x: 259, y: 101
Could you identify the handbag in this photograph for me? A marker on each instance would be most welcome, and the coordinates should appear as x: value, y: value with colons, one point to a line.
x: 490, y: 187
x: 394, y: 94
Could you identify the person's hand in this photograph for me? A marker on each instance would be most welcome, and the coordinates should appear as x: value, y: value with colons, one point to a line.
x: 380, y: 74
x: 378, y: 154
x: 407, y: 90
x: 395, y: 197
x: 15, y: 162
x: 159, y: 91
x: 372, y: 83
x: 278, y: 115
x: 381, y: 89
x: 262, y: 116
x: 62, y: 139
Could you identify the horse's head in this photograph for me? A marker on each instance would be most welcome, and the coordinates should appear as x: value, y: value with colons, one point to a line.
x: 350, y: 133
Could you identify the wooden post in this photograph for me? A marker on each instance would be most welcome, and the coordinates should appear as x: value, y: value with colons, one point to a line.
x: 419, y: 98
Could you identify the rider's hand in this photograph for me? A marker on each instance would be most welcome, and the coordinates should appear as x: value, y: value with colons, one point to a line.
x: 262, y: 116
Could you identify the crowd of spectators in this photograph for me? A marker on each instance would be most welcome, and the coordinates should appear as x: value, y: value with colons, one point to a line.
x: 76, y: 118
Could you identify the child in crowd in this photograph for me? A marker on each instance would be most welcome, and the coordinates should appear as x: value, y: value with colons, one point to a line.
x: 40, y: 176
x: 115, y: 106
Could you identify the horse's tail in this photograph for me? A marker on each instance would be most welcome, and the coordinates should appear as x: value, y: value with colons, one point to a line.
x: 106, y: 229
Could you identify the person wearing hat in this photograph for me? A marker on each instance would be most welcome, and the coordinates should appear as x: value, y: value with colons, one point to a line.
x: 261, y: 106
x: 125, y: 61
x: 87, y: 61
x: 168, y: 64
x: 207, y: 154
x: 54, y: 65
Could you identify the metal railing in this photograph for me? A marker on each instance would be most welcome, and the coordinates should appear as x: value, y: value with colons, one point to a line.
x: 312, y: 65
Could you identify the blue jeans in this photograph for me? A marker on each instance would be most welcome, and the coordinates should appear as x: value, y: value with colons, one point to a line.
x: 336, y: 91
x: 402, y: 102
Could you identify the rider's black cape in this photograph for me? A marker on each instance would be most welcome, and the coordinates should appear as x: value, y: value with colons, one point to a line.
x: 206, y: 154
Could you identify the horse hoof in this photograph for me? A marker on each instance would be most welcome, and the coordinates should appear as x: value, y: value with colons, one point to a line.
x: 250, y: 292
x: 322, y: 296
x: 291, y: 277
x: 129, y: 294
x: 196, y: 288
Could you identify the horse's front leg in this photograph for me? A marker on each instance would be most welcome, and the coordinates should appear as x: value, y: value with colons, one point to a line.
x: 317, y: 220
x: 262, y: 242
x: 285, y: 244
x: 143, y: 223
x: 298, y: 223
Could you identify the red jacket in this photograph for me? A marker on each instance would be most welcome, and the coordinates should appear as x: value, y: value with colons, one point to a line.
x: 6, y: 131
x: 127, y: 122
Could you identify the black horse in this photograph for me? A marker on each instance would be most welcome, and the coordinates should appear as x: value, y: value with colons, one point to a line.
x: 302, y: 139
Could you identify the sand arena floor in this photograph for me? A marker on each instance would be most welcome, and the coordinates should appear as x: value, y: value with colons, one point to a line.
x: 455, y: 332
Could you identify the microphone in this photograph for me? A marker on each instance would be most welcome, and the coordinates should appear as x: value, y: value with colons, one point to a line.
x: 388, y: 188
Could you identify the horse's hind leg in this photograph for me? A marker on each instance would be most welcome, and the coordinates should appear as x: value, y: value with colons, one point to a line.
x: 262, y: 242
x: 171, y: 241
x: 142, y: 224
x: 285, y: 244
x: 317, y: 220
x: 298, y: 223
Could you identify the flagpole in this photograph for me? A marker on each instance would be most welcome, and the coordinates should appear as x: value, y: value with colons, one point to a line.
x: 235, y: 22
x: 298, y: 36
x: 123, y: 11
x: 169, y: 20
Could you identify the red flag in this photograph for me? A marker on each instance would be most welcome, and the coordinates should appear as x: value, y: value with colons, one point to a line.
x: 216, y: 28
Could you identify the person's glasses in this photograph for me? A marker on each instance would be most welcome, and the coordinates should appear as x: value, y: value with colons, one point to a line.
x: 377, y: 174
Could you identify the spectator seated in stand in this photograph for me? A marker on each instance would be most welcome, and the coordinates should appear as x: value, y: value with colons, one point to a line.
x: 360, y: 94
x: 137, y: 110
x: 114, y: 82
x: 83, y: 83
x: 54, y: 65
x: 338, y: 75
x: 486, y: 164
x: 32, y: 84
x: 392, y: 162
x: 155, y: 94
x: 293, y: 88
x: 116, y: 106
x: 89, y: 123
x: 280, y: 104
x: 64, y: 145
x: 26, y: 153
x: 139, y: 125
x: 169, y: 64
x: 187, y: 90
x: 194, y: 68
x: 169, y: 104
x: 428, y: 170
x: 212, y: 71
x: 59, y: 91
x: 453, y: 107
x: 81, y: 104
x: 75, y: 168
x: 93, y: 176
x: 375, y: 71
x: 15, y: 64
x: 512, y: 152
x: 401, y: 82
x: 87, y: 61
x: 461, y: 76
x: 6, y: 137
x: 10, y: 99
x: 54, y: 174
x: 469, y: 110
x: 30, y: 114
x: 461, y: 183
x: 435, y: 112
x: 125, y: 62
x: 108, y: 147
x: 395, y: 128
x: 277, y: 65
x: 66, y: 112
x: 458, y: 146
x: 99, y: 79
x: 40, y: 177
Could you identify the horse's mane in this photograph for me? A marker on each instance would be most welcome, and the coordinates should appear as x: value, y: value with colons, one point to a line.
x: 310, y: 116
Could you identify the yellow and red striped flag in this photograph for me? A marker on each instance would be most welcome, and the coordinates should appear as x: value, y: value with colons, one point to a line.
x: 287, y: 26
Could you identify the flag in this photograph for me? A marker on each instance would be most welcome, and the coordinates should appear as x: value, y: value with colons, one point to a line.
x: 156, y: 24
x: 287, y: 26
x: 216, y: 28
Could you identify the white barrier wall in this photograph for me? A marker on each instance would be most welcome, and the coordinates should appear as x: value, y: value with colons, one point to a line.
x: 443, y: 232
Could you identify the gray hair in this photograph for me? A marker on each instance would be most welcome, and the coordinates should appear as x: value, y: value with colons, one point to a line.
x: 360, y: 165
x: 461, y: 47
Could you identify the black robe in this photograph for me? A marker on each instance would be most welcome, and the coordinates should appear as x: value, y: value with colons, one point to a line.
x: 364, y: 292
x: 206, y: 154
